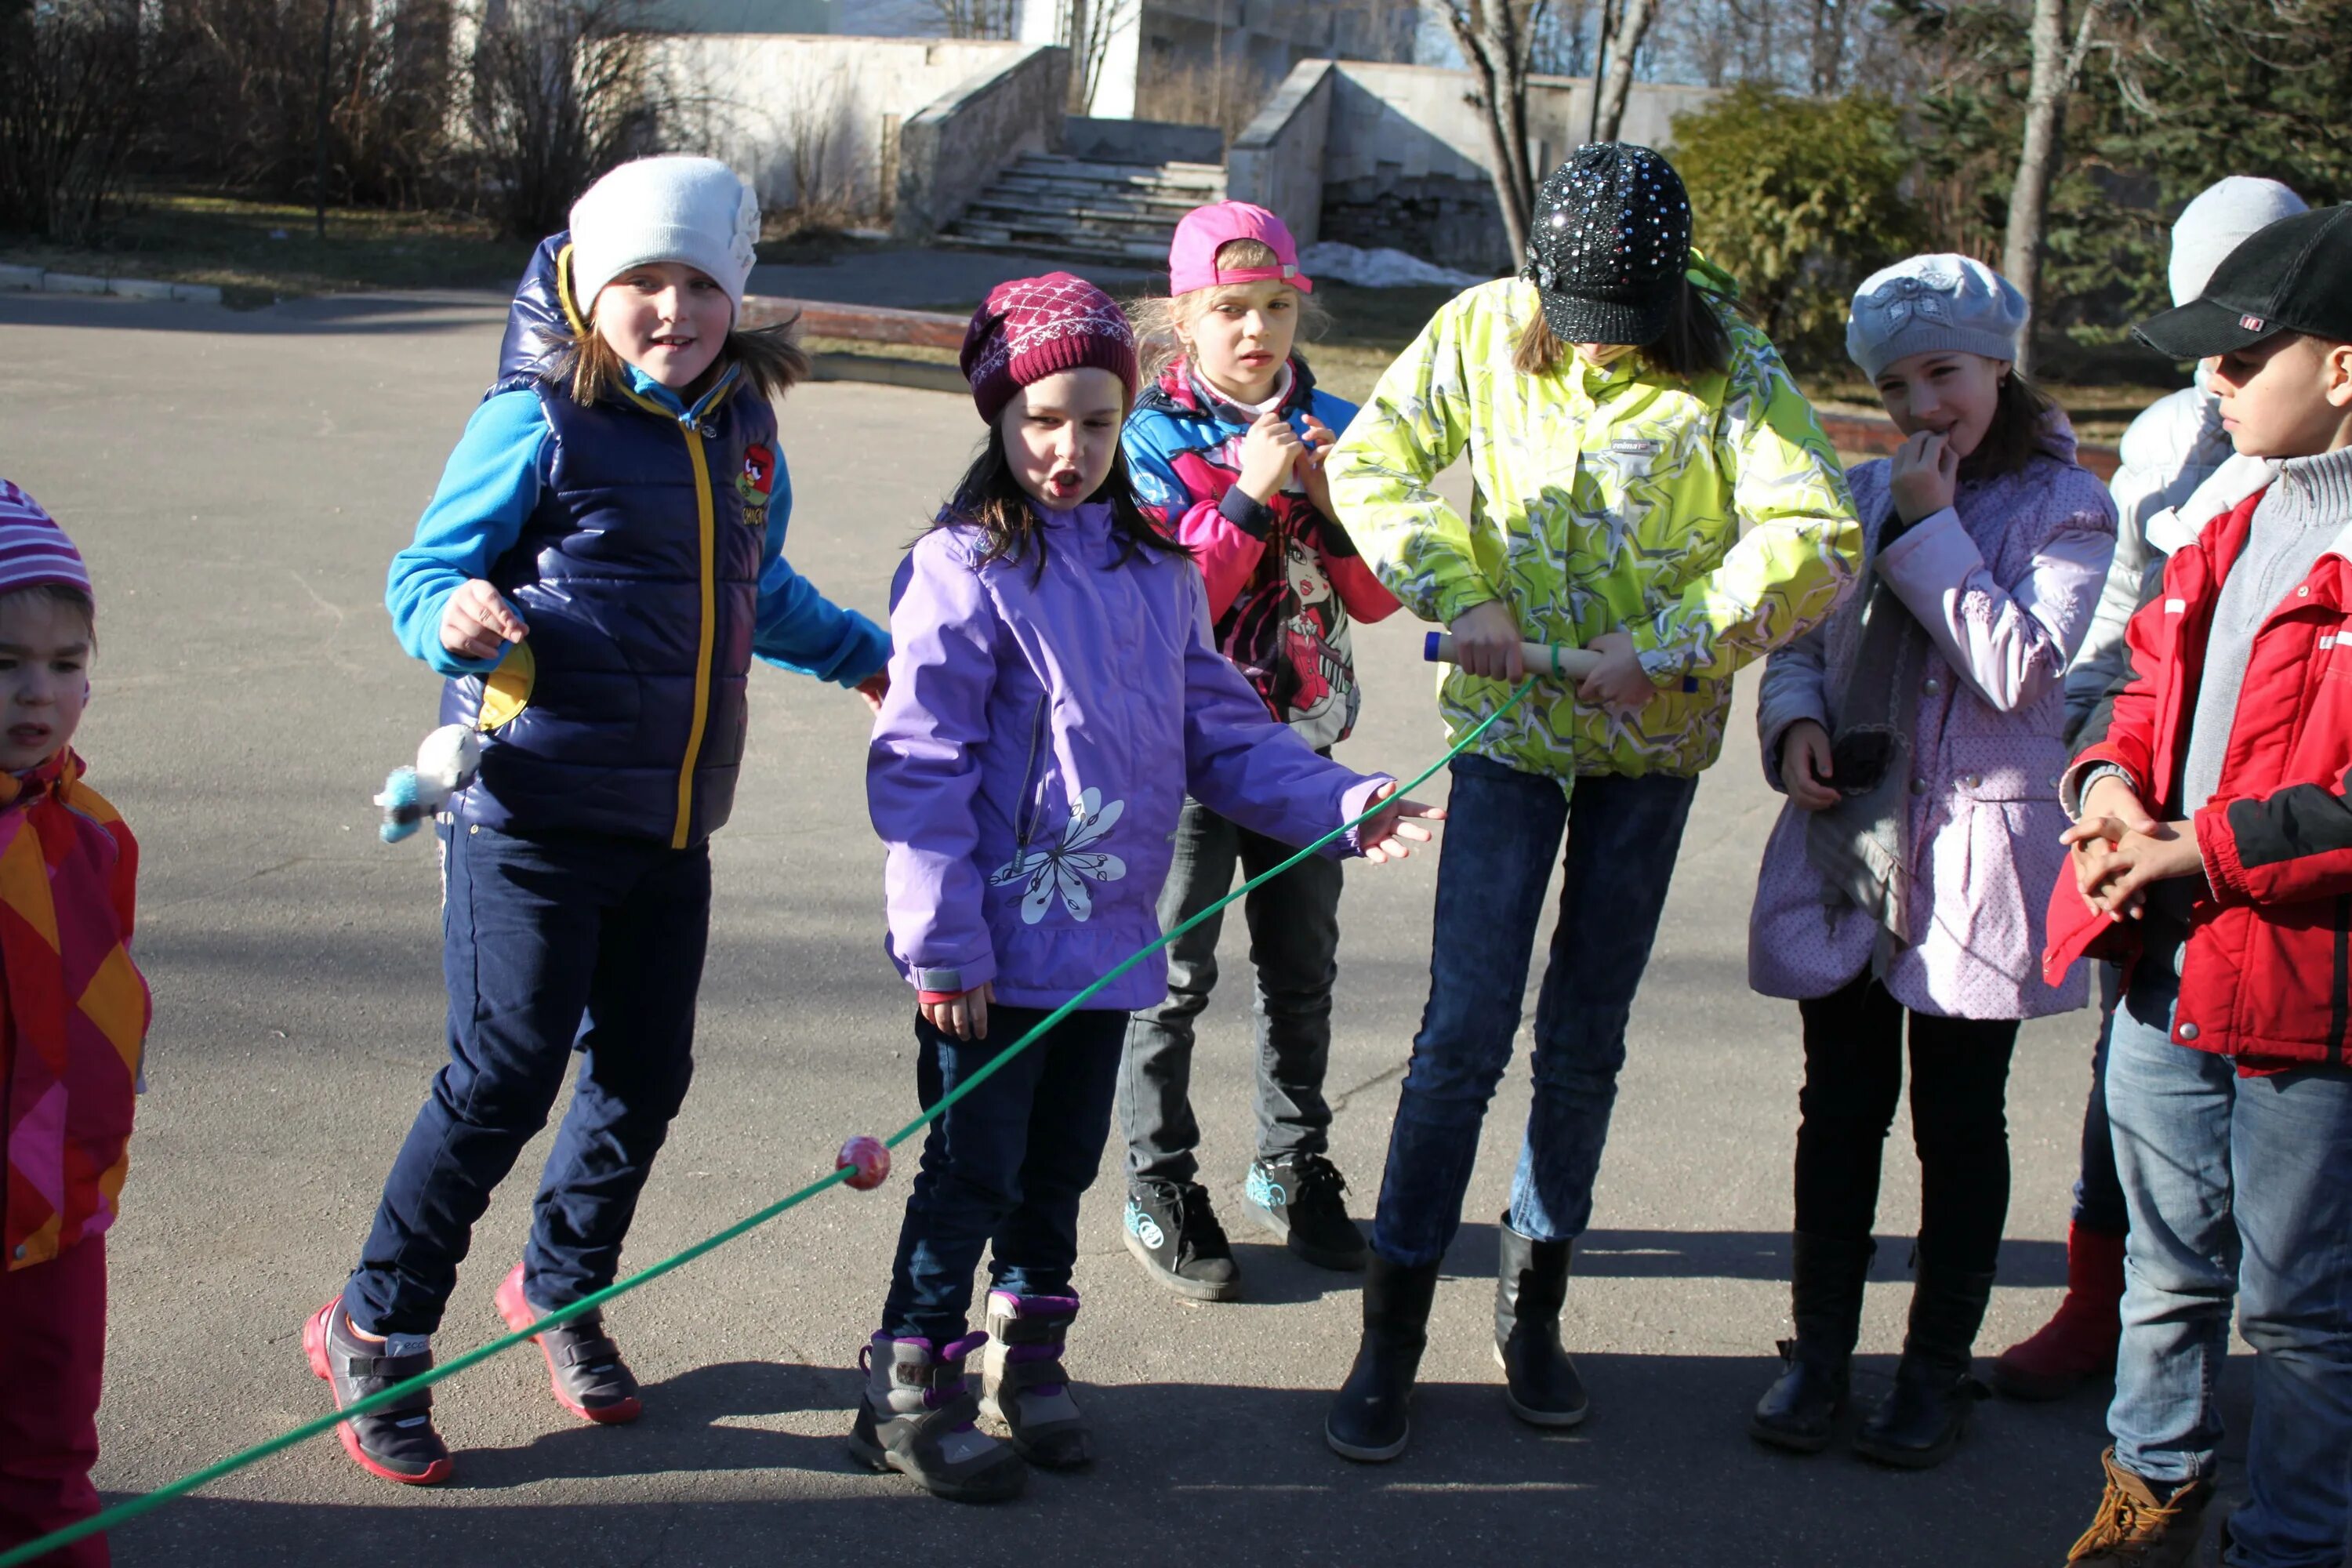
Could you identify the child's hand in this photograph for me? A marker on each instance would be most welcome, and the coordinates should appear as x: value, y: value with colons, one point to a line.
x: 1805, y: 765
x: 1318, y: 443
x: 1388, y: 837
x: 479, y: 623
x: 1923, y: 476
x: 1487, y: 643
x: 963, y: 1018
x: 1270, y: 454
x: 2114, y: 815
x: 1618, y: 684
x: 2112, y: 875
x: 874, y: 688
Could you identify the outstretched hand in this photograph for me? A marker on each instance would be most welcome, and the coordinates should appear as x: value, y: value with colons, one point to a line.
x: 1391, y: 835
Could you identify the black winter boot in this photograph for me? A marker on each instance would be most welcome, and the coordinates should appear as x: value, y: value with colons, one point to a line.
x: 1369, y: 1420
x: 1825, y: 1286
x: 1921, y: 1422
x: 1540, y: 1384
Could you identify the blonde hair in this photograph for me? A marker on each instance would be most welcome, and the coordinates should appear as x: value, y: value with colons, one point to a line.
x: 588, y: 367
x: 1160, y: 321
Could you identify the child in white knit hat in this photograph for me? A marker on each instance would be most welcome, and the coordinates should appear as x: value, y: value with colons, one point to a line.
x: 598, y: 567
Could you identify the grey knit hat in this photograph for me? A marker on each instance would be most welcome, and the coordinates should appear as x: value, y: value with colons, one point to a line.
x: 1931, y: 302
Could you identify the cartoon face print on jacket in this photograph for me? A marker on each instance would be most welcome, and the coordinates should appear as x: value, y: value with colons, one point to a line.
x: 1306, y: 629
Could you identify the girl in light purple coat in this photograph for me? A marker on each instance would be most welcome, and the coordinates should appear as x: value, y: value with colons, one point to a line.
x: 1054, y: 694
x: 1917, y: 734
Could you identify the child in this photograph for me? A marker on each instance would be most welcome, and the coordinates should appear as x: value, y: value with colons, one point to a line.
x: 1227, y: 448
x: 1649, y: 483
x: 600, y: 563
x: 2169, y: 452
x: 2212, y: 853
x: 1054, y: 696
x: 1918, y: 736
x: 70, y: 1042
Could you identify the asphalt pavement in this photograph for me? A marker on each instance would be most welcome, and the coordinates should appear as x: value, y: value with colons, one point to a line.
x: 239, y: 481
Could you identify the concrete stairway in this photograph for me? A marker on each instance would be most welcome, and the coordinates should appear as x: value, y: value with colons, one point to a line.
x: 1123, y: 214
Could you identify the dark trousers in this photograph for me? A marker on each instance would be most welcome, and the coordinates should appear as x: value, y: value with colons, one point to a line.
x: 1004, y: 1170
x: 1959, y: 1080
x: 1294, y: 934
x: 1503, y: 828
x: 2098, y: 1192
x: 550, y: 946
x: 52, y: 1361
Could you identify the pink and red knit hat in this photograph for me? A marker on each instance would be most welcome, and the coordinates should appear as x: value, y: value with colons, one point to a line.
x: 1032, y: 328
x: 33, y: 551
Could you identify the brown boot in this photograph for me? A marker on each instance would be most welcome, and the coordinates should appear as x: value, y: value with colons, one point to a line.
x: 2136, y: 1528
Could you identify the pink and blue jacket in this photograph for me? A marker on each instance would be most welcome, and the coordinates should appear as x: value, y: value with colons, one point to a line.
x: 1043, y: 727
x: 1284, y: 580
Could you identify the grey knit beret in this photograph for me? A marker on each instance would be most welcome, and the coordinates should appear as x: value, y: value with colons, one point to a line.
x: 1931, y: 302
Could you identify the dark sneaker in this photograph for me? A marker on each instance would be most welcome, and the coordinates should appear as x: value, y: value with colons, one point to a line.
x: 1297, y: 1198
x: 917, y: 1418
x: 398, y: 1442
x: 584, y: 1367
x: 1174, y: 1233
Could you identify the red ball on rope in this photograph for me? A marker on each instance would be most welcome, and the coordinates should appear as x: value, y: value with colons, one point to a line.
x: 868, y: 1158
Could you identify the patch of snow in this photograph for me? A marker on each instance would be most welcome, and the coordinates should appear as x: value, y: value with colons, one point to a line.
x: 1379, y: 268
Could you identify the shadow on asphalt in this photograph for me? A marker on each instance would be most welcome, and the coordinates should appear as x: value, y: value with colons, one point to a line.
x: 743, y: 1463
x: 1733, y: 1255
x: 326, y: 315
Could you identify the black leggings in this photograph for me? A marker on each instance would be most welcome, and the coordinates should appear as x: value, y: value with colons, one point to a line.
x: 1959, y: 1078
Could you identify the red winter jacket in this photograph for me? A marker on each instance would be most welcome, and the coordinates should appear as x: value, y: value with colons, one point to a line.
x: 2266, y: 974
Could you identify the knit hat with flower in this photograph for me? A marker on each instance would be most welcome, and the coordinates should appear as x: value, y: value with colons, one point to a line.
x: 1609, y: 244
x: 1032, y: 328
x: 1929, y: 303
x: 694, y: 211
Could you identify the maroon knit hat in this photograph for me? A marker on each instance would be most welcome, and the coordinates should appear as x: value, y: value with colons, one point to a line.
x: 1032, y: 328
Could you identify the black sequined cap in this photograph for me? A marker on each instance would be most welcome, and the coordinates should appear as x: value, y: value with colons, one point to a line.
x: 1608, y: 243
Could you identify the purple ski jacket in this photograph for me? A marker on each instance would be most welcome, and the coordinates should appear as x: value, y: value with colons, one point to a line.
x: 1039, y: 737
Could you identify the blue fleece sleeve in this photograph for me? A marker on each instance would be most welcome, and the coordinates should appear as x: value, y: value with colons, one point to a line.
x: 487, y: 489
x: 799, y: 629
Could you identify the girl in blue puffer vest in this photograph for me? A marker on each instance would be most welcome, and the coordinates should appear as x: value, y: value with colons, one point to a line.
x: 594, y: 576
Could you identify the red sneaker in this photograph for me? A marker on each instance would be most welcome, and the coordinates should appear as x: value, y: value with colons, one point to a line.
x: 2078, y: 1343
x: 584, y: 1367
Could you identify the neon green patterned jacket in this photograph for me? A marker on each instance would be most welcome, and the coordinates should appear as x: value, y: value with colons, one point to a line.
x: 1605, y: 498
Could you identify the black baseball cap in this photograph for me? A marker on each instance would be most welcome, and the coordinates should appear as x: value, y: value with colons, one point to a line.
x: 2294, y: 276
x: 1609, y: 244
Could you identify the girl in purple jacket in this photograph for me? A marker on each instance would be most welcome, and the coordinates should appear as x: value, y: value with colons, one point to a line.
x: 1055, y: 695
x: 1919, y: 736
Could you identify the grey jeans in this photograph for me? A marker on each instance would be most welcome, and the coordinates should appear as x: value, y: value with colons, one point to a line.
x: 1294, y: 928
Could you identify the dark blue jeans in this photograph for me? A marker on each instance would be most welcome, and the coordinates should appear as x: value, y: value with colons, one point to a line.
x: 550, y: 946
x: 1004, y: 1170
x: 1503, y: 828
x: 2099, y: 1191
x: 1294, y: 940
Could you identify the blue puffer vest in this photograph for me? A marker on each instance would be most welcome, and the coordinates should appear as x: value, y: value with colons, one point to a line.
x: 638, y: 575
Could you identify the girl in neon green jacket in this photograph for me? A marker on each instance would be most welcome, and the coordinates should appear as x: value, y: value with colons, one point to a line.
x: 1651, y: 485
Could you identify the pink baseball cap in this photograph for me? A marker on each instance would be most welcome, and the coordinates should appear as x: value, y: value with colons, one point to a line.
x: 1192, y: 257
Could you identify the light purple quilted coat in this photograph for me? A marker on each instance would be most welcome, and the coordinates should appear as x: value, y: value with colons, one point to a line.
x: 2005, y: 583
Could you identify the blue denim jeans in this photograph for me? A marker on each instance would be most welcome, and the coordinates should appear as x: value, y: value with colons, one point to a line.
x: 553, y: 946
x: 1294, y: 940
x: 1503, y: 828
x: 2099, y: 1191
x: 2238, y: 1186
x: 1004, y: 1170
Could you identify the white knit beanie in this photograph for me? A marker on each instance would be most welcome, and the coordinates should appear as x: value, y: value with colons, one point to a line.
x: 1929, y: 303
x: 2210, y: 226
x: 689, y: 210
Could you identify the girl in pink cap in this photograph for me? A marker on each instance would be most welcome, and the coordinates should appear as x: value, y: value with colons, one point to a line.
x: 1226, y: 443
x: 1054, y: 697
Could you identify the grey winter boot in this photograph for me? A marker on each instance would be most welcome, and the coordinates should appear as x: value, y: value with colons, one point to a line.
x: 1022, y: 1382
x: 917, y: 1419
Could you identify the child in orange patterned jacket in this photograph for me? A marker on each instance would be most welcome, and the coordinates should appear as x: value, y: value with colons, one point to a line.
x: 73, y: 1025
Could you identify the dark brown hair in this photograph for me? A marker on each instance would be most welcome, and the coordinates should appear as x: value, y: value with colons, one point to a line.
x: 1694, y: 343
x: 991, y: 499
x: 65, y: 594
x: 2020, y: 416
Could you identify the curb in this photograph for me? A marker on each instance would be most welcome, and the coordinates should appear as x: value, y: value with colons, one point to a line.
x: 41, y: 280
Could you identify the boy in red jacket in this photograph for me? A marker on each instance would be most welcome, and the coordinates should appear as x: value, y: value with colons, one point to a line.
x: 2212, y: 851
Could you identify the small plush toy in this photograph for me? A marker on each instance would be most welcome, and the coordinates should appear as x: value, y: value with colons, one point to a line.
x: 446, y: 764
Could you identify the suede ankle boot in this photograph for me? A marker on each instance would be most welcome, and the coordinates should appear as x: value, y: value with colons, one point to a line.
x: 1827, y: 1274
x: 1369, y: 1416
x: 1540, y: 1384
